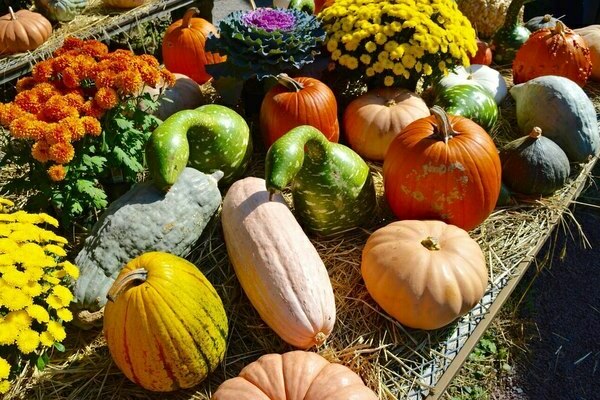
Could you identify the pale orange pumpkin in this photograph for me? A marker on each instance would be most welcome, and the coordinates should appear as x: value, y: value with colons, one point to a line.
x: 297, y: 375
x: 591, y: 37
x: 425, y: 274
x: 372, y: 120
x: 23, y: 31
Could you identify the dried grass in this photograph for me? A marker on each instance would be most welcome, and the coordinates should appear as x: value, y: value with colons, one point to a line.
x: 389, y: 357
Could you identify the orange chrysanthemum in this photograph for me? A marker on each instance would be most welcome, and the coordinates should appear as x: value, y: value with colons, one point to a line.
x: 26, y: 83
x: 42, y: 71
x: 150, y: 60
x: 91, y: 126
x: 130, y: 82
x: 70, y: 78
x: 151, y: 76
x: 168, y: 77
x: 41, y: 151
x: 57, y: 108
x: 91, y: 109
x: 75, y: 127
x: 9, y: 112
x: 95, y: 48
x: 24, y: 128
x: 105, y: 79
x: 61, y: 63
x: 57, y: 173
x: 45, y: 91
x: 62, y: 152
x: 57, y: 133
x: 74, y: 99
x: 106, y: 98
x: 29, y: 101
x: 70, y: 43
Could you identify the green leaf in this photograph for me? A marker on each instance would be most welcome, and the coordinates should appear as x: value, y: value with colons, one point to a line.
x: 123, y: 123
x: 59, y: 346
x: 42, y: 361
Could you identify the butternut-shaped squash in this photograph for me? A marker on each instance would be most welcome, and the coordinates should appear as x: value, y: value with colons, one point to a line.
x: 278, y: 267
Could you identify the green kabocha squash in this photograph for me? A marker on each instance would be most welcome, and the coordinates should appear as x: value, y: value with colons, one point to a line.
x: 61, y: 10
x: 511, y: 36
x: 505, y: 196
x: 209, y: 138
x: 470, y: 101
x: 534, y: 165
x: 144, y: 219
x: 332, y: 186
x: 563, y: 111
x: 541, y: 22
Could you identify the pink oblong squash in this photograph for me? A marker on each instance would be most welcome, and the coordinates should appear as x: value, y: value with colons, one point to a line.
x: 297, y: 375
x: 278, y: 267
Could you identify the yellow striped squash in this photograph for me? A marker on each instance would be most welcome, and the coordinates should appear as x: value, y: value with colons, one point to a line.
x: 164, y: 323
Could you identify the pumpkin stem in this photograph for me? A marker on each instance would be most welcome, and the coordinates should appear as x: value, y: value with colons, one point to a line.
x: 289, y: 83
x: 320, y: 338
x: 13, y: 16
x: 444, y: 127
x: 431, y: 243
x: 560, y: 28
x: 187, y: 17
x: 390, y: 103
x: 535, y: 133
x: 546, y: 18
x: 136, y: 276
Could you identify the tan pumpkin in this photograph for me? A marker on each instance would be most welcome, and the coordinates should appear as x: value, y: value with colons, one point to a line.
x: 296, y: 375
x: 123, y: 3
x: 184, y: 95
x: 591, y: 37
x: 425, y: 274
x: 277, y: 265
x: 23, y: 31
x: 372, y: 120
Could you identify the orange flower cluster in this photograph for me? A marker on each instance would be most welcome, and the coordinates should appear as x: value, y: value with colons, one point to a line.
x: 68, y: 94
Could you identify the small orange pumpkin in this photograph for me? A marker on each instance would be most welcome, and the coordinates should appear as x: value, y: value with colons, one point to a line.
x: 183, y: 47
x: 372, y: 120
x: 23, y: 31
x: 553, y: 51
x: 295, y: 102
x: 425, y: 274
x: 294, y: 375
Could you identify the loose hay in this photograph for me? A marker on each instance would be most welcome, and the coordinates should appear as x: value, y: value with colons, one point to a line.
x: 390, y: 358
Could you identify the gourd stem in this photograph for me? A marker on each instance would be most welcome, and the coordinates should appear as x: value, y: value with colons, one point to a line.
x: 13, y: 16
x: 560, y: 28
x: 187, y: 17
x: 123, y: 283
x: 390, y: 103
x: 535, y: 133
x: 320, y: 338
x: 512, y: 14
x: 289, y: 83
x: 444, y: 127
x: 431, y: 243
x: 546, y: 18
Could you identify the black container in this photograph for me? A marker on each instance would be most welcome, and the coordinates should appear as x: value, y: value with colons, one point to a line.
x: 574, y: 13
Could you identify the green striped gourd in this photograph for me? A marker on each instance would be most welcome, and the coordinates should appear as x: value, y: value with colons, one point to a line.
x: 332, y: 187
x: 470, y: 101
x: 508, y: 39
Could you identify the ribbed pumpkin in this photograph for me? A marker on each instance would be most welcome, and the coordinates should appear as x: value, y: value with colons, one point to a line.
x: 183, y: 47
x: 123, y: 3
x: 23, y: 31
x: 185, y: 95
x: 558, y: 51
x: 372, y: 120
x: 296, y: 375
x: 425, y: 274
x: 298, y: 101
x: 61, y: 10
x: 164, y: 324
x: 591, y: 37
x: 278, y: 267
x: 534, y: 165
x: 442, y: 167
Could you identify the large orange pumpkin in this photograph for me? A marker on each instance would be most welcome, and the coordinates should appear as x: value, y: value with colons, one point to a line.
x: 297, y: 375
x: 183, y: 47
x: 295, y: 102
x: 372, y: 120
x: 424, y: 273
x: 23, y: 31
x: 442, y: 167
x: 553, y: 51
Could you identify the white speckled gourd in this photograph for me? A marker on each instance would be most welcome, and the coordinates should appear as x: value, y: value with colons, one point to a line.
x: 61, y: 10
x: 563, y: 112
x: 144, y: 219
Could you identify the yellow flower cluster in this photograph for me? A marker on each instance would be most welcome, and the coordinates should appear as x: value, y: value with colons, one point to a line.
x: 34, y: 298
x: 398, y: 39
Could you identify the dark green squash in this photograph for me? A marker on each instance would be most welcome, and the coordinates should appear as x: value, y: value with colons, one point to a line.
x: 470, y: 101
x: 209, y: 138
x: 541, y: 22
x: 332, y: 187
x: 144, y: 219
x: 505, y: 196
x: 61, y: 10
x: 534, y: 165
x: 511, y: 36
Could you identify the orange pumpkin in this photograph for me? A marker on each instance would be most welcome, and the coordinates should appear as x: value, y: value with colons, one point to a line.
x: 425, y: 274
x: 295, y: 102
x: 553, y: 51
x: 183, y: 47
x: 23, y: 31
x: 442, y: 167
x: 372, y: 120
x: 294, y: 375
x: 321, y: 4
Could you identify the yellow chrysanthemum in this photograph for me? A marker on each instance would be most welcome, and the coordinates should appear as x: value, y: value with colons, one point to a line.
x: 14, y: 277
x: 8, y: 333
x: 4, y: 368
x: 14, y: 299
x: 54, y: 301
x: 70, y: 269
x: 388, y: 81
x: 46, y: 339
x: 64, y: 314
x: 57, y: 331
x: 38, y: 313
x: 4, y: 386
x: 28, y: 341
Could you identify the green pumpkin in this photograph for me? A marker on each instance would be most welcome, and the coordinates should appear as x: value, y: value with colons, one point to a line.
x: 541, y: 22
x: 209, y: 138
x: 511, y: 36
x: 564, y: 113
x: 332, y: 187
x: 470, y: 101
x: 61, y: 10
x: 534, y: 165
